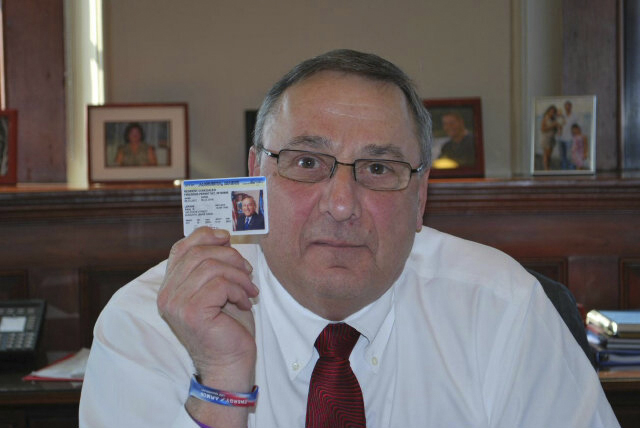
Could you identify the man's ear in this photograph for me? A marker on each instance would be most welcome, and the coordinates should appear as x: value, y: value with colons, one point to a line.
x: 422, y: 199
x: 254, y: 162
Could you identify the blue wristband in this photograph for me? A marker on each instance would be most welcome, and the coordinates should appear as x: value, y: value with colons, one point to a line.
x: 216, y: 396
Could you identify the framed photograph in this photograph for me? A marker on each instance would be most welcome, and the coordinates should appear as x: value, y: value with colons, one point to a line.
x: 563, y: 135
x: 250, y: 118
x: 138, y: 142
x: 8, y: 146
x: 457, y: 149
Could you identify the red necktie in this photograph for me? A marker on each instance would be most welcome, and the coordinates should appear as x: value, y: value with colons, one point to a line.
x: 335, y: 399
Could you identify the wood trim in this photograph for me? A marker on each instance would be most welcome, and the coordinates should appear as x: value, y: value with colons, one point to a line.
x: 446, y: 196
x: 24, y: 204
x: 554, y: 268
x: 35, y: 83
x: 539, y: 195
x: 14, y: 284
x: 97, y: 285
x: 630, y: 283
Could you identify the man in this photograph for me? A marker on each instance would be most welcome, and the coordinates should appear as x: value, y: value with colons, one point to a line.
x: 460, y: 147
x: 565, y: 138
x: 249, y: 219
x: 438, y: 332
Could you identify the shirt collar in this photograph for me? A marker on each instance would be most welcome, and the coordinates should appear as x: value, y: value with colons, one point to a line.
x: 296, y: 328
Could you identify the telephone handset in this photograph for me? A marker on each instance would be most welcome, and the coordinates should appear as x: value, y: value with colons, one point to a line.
x: 20, y: 327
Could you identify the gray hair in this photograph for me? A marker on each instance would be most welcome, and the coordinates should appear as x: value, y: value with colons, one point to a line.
x: 349, y: 61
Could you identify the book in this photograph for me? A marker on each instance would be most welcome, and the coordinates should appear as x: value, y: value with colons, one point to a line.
x: 598, y: 337
x: 622, y: 323
x: 69, y: 368
x: 618, y: 357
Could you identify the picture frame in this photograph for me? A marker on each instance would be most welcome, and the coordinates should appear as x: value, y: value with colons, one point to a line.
x: 250, y: 119
x: 563, y: 143
x: 457, y: 149
x: 8, y: 147
x: 138, y: 143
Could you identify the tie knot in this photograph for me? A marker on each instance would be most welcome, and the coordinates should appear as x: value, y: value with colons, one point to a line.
x: 337, y: 341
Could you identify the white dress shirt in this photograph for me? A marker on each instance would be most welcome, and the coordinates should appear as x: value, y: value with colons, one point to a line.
x: 464, y: 338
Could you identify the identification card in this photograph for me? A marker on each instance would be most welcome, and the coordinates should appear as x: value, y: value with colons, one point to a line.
x: 238, y: 205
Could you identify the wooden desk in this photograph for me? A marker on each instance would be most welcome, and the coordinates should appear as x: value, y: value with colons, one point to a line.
x: 55, y: 404
x: 37, y: 404
x: 622, y: 388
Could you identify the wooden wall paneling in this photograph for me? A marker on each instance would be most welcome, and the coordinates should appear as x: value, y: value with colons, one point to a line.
x: 631, y: 86
x: 80, y: 246
x: 548, y: 236
x: 630, y: 283
x: 34, y: 58
x: 54, y: 416
x: 82, y: 242
x: 554, y: 268
x: 97, y: 285
x: 13, y: 284
x: 624, y: 405
x: 590, y: 67
x: 586, y: 222
x: 14, y: 418
x: 594, y: 280
x: 59, y: 287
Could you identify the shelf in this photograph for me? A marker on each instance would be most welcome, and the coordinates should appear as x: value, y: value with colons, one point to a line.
x: 446, y: 196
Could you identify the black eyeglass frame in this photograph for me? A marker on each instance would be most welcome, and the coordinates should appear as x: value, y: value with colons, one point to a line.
x: 336, y: 162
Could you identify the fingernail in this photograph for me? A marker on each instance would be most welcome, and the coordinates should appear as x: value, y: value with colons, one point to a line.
x: 248, y: 266
x: 220, y: 233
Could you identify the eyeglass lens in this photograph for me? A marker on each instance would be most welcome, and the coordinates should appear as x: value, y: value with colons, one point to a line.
x: 372, y: 173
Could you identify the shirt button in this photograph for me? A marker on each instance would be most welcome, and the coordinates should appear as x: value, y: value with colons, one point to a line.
x: 295, y: 366
x: 374, y: 361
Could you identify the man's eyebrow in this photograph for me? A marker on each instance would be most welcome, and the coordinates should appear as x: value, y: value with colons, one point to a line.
x: 387, y: 150
x: 309, y: 141
x: 370, y: 150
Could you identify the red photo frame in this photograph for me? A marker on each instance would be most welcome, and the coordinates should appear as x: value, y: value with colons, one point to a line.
x: 457, y: 149
x: 8, y: 146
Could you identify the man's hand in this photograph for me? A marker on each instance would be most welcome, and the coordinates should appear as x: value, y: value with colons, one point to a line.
x: 205, y: 300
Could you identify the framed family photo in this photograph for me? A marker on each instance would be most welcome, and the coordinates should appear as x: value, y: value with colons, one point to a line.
x: 563, y: 135
x: 457, y: 149
x: 138, y: 142
x: 8, y: 146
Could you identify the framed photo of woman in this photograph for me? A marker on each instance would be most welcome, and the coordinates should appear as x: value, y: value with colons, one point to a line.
x: 563, y: 135
x: 138, y: 142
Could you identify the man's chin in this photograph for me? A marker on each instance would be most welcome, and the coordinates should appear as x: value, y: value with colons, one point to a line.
x: 339, y: 281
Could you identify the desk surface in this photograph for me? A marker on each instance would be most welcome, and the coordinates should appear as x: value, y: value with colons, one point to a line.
x: 620, y: 379
x: 15, y: 391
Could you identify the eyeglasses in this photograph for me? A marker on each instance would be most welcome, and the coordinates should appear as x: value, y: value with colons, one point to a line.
x: 374, y: 174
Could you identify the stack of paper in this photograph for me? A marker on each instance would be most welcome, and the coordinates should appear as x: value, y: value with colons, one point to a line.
x: 615, y: 336
x: 69, y: 368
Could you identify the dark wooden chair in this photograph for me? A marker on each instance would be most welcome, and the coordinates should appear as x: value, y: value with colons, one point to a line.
x: 566, y: 305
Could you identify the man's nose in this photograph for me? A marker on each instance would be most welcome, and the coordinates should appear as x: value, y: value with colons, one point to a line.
x: 341, y: 195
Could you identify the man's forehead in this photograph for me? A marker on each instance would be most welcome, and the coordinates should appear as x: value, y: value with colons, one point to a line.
x: 350, y: 102
x: 344, y: 94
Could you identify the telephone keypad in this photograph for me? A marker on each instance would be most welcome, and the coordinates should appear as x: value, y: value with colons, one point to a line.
x: 31, y: 313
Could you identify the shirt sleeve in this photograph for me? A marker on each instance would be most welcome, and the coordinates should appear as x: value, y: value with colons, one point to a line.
x: 137, y: 374
x: 547, y: 380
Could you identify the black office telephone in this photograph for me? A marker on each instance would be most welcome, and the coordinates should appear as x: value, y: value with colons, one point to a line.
x: 20, y: 329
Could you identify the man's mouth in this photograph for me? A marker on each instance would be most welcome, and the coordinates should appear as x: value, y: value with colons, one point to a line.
x: 336, y: 243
